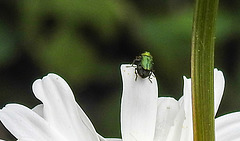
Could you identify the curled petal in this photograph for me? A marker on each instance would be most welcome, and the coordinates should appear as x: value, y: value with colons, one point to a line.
x: 138, y: 107
x: 23, y: 123
x: 219, y: 84
x: 61, y: 110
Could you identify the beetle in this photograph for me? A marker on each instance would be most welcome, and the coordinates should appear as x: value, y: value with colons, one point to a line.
x: 144, y: 64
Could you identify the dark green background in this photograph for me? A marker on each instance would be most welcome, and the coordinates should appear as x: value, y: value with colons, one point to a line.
x: 86, y: 41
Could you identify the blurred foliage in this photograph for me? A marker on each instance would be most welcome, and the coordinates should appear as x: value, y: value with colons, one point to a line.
x: 85, y: 42
x: 56, y: 30
x: 7, y: 50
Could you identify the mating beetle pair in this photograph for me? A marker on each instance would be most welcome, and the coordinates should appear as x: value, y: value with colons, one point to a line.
x: 144, y: 64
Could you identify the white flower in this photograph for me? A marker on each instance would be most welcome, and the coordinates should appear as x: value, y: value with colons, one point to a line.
x: 145, y: 117
x: 59, y: 118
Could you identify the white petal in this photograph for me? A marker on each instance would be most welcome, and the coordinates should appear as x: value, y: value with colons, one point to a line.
x: 176, y: 130
x: 167, y: 111
x: 187, y: 95
x: 61, y: 110
x: 187, y: 130
x: 28, y: 139
x: 108, y: 139
x: 24, y: 123
x: 138, y: 107
x: 112, y: 139
x: 38, y: 109
x: 219, y: 84
x: 228, y: 127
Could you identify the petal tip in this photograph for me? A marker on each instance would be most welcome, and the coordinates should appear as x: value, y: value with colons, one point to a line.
x: 53, y: 75
x: 125, y: 66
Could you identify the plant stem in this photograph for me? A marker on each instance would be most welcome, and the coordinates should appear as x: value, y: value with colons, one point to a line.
x: 202, y: 65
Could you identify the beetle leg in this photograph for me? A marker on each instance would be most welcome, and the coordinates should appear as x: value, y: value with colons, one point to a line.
x: 149, y: 77
x: 133, y: 62
x: 153, y: 75
x: 136, y: 74
x: 136, y: 60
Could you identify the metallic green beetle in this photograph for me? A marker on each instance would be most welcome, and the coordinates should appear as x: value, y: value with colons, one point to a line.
x: 144, y: 65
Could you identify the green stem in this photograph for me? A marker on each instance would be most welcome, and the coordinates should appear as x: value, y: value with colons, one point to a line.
x: 202, y: 65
